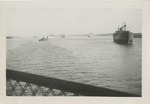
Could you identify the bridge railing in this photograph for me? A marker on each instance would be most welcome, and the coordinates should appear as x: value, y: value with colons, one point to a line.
x: 26, y: 84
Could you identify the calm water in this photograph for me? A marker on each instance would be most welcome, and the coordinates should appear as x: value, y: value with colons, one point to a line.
x: 96, y: 61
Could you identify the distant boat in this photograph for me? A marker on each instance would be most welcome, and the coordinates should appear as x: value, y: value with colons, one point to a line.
x: 63, y: 36
x: 44, y: 39
x: 123, y: 36
x: 52, y: 36
x: 90, y: 35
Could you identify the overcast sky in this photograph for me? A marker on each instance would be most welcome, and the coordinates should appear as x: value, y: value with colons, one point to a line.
x: 43, y: 21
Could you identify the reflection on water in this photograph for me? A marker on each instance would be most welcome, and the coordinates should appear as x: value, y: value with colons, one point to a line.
x: 96, y: 61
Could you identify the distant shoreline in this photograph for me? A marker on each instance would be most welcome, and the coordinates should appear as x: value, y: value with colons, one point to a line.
x: 136, y: 35
x: 9, y: 37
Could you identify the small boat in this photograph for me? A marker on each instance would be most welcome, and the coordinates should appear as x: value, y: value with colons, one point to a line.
x: 90, y: 35
x: 44, y: 39
x: 51, y: 36
x: 123, y: 36
x: 63, y: 36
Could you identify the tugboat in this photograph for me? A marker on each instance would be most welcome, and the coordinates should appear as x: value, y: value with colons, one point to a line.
x: 123, y: 36
x: 44, y: 39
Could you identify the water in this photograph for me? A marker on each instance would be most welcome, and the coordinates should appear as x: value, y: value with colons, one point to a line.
x: 96, y: 61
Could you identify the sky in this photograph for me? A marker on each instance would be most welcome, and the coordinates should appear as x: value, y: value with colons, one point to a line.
x: 45, y: 21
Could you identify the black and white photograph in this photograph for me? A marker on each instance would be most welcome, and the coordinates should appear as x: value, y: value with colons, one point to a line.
x: 73, y: 49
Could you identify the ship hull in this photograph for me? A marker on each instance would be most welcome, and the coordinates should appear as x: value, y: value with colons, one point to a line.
x: 123, y: 37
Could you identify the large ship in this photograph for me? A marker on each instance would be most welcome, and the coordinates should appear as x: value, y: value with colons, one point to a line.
x: 123, y: 36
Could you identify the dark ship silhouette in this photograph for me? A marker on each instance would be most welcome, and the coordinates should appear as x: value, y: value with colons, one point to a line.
x: 123, y: 36
x: 44, y: 39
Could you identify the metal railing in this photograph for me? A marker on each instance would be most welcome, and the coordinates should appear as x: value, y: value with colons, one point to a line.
x: 26, y: 84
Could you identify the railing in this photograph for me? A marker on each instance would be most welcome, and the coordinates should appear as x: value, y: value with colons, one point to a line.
x: 25, y: 84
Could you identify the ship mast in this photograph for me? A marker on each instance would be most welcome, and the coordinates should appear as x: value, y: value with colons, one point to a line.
x: 125, y: 26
